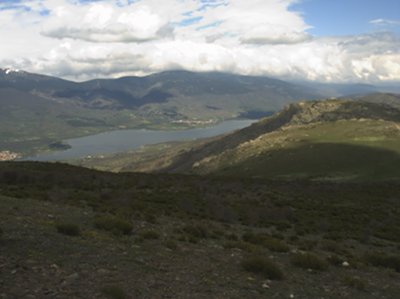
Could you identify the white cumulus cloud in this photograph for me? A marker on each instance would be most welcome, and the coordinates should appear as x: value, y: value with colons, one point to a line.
x: 83, y: 40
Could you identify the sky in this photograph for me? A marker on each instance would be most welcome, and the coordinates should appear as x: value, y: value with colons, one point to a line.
x: 346, y: 41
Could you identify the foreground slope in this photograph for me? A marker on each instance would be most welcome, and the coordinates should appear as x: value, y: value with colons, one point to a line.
x: 69, y: 232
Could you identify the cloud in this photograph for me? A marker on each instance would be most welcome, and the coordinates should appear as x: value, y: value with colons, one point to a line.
x: 100, y: 22
x: 82, y: 40
x: 385, y: 22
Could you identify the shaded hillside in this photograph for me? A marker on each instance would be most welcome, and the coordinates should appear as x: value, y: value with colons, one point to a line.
x: 332, y: 139
x: 69, y: 232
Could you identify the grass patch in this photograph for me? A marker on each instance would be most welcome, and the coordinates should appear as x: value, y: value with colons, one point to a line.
x: 264, y: 266
x: 69, y: 229
x: 309, y: 261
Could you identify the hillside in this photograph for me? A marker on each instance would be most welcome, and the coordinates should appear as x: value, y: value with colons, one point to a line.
x: 69, y: 232
x: 357, y: 138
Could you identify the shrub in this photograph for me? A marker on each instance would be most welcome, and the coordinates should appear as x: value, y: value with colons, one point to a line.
x: 276, y: 245
x: 114, y: 224
x: 253, y: 238
x: 149, y: 234
x: 68, y: 229
x: 114, y: 292
x: 271, y: 243
x: 232, y: 237
x: 309, y: 261
x: 355, y: 282
x: 196, y: 231
x: 382, y: 260
x: 241, y: 245
x: 264, y: 266
x: 334, y: 260
x: 171, y: 244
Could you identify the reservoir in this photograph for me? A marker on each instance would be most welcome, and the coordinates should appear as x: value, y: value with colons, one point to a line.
x: 125, y: 140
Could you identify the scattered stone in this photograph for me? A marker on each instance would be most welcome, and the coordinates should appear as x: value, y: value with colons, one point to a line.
x: 265, y: 286
x: 71, y: 279
x: 103, y: 271
x: 345, y: 264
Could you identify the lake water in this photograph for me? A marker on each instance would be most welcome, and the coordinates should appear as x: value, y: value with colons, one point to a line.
x: 124, y: 140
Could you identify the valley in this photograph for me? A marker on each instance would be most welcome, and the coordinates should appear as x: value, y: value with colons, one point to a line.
x: 356, y: 139
x: 37, y: 111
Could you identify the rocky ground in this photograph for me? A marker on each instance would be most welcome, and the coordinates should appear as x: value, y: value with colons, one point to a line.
x: 168, y: 254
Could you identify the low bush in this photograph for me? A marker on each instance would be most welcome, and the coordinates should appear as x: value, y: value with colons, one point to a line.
x: 383, y: 260
x: 114, y: 224
x: 69, y: 229
x: 309, y: 261
x: 113, y: 292
x: 253, y: 238
x: 171, y: 244
x: 269, y: 242
x: 276, y: 245
x: 149, y: 234
x: 196, y: 230
x: 355, y: 283
x: 264, y: 266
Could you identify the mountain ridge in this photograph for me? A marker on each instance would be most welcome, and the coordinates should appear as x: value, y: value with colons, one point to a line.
x: 338, y: 132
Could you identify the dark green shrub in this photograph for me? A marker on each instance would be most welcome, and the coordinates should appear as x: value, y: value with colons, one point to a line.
x: 232, y: 237
x: 355, y: 283
x: 171, y: 244
x: 264, y: 266
x: 114, y: 224
x: 276, y: 245
x: 271, y: 243
x: 196, y: 230
x: 149, y: 234
x: 248, y: 247
x: 334, y: 260
x: 383, y: 260
x: 332, y: 246
x: 253, y: 238
x: 114, y: 292
x: 309, y: 261
x: 68, y: 229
